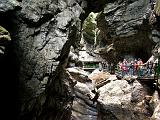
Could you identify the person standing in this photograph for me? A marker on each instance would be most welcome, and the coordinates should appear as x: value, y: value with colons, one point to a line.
x: 100, y: 66
x: 135, y: 67
x: 131, y: 69
x: 140, y: 67
x: 124, y: 67
x: 106, y: 66
x: 149, y: 68
x: 112, y: 68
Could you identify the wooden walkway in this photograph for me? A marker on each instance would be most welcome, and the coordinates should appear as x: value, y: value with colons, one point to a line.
x: 145, y: 79
x: 148, y: 78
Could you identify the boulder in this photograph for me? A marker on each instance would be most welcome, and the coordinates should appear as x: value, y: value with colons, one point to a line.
x: 83, y: 108
x: 120, y: 100
x: 98, y: 76
x: 156, y: 106
x: 79, y: 74
x: 156, y: 114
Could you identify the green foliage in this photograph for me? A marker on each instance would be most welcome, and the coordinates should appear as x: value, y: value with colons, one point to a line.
x: 3, y: 31
x: 89, y: 23
x: 157, y: 7
x: 89, y: 27
x: 91, y: 65
x: 89, y: 37
x: 4, y: 35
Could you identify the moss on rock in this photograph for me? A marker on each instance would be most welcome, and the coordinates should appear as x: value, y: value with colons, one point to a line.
x: 4, y: 35
x: 157, y: 7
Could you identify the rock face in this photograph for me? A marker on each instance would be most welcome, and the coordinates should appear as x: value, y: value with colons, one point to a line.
x: 156, y: 114
x: 122, y: 101
x: 118, y: 100
x: 124, y: 25
x: 8, y: 5
x: 44, y: 38
x: 156, y: 105
x: 83, y: 108
x: 42, y: 33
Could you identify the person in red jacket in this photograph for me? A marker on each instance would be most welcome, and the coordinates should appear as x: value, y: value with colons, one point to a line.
x: 135, y: 67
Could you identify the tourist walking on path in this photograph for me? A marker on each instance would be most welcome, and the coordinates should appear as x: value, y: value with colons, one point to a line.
x: 124, y: 67
x: 112, y: 68
x: 140, y: 67
x: 135, y: 67
x: 149, y: 68
x: 131, y: 69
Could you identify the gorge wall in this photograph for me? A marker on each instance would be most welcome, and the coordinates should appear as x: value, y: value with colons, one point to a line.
x: 42, y: 33
x: 125, y: 28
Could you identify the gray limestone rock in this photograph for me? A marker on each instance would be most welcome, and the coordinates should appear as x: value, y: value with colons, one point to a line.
x: 156, y: 114
x: 41, y: 38
x: 44, y: 31
x: 83, y: 108
x: 8, y: 5
x: 123, y: 25
x: 119, y: 100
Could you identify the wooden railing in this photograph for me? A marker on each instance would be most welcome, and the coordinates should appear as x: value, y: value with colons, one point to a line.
x: 141, y: 72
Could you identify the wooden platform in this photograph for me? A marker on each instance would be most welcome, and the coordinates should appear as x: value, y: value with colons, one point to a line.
x: 147, y: 79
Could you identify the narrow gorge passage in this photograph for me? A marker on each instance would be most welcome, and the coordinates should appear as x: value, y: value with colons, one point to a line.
x: 53, y: 53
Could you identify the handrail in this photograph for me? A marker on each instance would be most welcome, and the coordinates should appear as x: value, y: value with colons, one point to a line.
x: 140, y: 72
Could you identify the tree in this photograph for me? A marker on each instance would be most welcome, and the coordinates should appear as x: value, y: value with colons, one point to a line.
x: 89, y: 28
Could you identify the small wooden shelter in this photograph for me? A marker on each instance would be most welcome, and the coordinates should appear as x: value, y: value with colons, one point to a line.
x: 89, y: 62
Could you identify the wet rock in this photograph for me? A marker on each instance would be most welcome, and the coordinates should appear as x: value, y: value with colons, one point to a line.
x: 79, y: 71
x: 45, y: 31
x: 156, y: 35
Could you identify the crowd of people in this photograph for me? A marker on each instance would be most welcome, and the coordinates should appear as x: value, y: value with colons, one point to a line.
x: 136, y: 68
x: 105, y: 66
